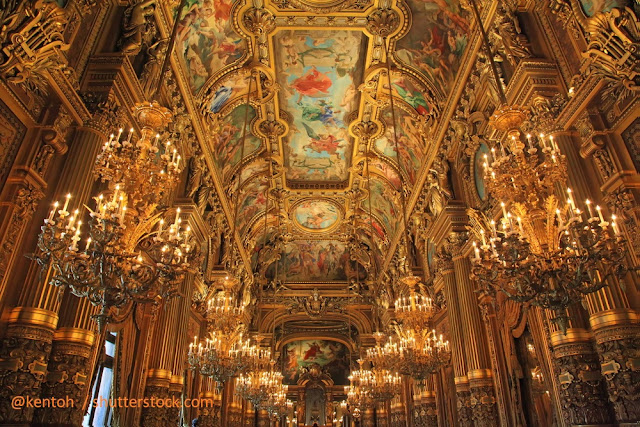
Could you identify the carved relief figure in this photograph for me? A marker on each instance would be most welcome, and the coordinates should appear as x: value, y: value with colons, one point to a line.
x: 137, y: 26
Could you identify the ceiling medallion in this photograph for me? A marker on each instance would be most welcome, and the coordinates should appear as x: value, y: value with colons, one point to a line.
x: 316, y: 215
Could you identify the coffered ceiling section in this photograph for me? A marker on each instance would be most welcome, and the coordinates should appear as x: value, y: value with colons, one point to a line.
x: 325, y: 154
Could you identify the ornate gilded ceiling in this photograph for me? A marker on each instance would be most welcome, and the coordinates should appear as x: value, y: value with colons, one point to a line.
x: 318, y: 115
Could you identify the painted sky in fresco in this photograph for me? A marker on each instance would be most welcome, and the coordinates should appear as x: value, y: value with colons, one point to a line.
x: 436, y: 41
x: 313, y: 260
x: 316, y: 214
x: 331, y: 355
x: 591, y: 7
x: 207, y: 40
x: 319, y: 72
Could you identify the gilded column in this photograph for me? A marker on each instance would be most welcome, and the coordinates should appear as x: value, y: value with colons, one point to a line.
x: 582, y: 393
x: 483, y: 401
x: 160, y: 365
x: 263, y: 418
x: 72, y: 361
x: 27, y: 346
x: 445, y: 270
x: 617, y: 334
x: 615, y: 325
x: 428, y: 404
x: 208, y: 416
x: 368, y: 418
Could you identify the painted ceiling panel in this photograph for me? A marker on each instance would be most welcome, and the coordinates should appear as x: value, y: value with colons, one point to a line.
x: 227, y: 142
x: 436, y: 41
x: 207, y: 39
x: 319, y: 72
x: 410, y: 142
x: 313, y: 261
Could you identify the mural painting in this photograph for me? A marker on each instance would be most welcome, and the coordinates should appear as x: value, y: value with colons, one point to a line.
x: 330, y: 355
x: 206, y: 37
x: 253, y: 201
x: 386, y: 170
x: 382, y: 204
x: 478, y: 170
x: 319, y: 73
x: 435, y: 47
x: 404, y: 89
x: 316, y: 214
x: 226, y: 143
x: 410, y: 142
x: 313, y: 260
x: 234, y: 87
x: 591, y: 7
x: 367, y: 224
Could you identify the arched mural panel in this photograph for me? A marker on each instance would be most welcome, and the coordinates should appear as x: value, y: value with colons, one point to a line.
x: 331, y: 356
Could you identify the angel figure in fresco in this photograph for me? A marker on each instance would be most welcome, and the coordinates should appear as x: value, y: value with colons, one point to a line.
x: 451, y: 11
x: 292, y: 359
x: 322, y: 142
x: 415, y: 99
x: 313, y: 83
x: 323, y: 112
x: 313, y: 352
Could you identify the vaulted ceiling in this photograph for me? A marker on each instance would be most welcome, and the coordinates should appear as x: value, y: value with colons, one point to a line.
x: 320, y: 128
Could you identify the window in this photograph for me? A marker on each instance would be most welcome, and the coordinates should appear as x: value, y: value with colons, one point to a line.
x: 100, y: 415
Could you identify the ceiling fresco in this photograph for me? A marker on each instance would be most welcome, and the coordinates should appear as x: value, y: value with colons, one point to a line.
x: 435, y: 47
x: 313, y: 261
x: 207, y: 39
x: 321, y: 107
x: 316, y: 215
x: 318, y: 73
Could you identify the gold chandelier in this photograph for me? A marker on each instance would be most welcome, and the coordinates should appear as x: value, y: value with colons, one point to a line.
x: 261, y: 382
x: 541, y: 251
x: 222, y: 356
x: 129, y: 255
x: 414, y: 311
x: 413, y: 353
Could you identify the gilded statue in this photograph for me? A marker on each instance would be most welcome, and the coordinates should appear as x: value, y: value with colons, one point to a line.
x: 137, y: 26
x: 514, y: 42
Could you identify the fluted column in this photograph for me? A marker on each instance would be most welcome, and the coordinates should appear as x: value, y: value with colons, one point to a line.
x: 479, y: 373
x: 616, y: 330
x: 368, y: 418
x: 614, y: 323
x: 30, y: 331
x: 582, y: 392
x: 160, y: 364
x: 209, y: 416
x: 445, y: 269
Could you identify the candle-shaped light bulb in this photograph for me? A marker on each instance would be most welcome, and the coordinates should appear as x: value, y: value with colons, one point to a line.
x: 588, y: 203
x: 599, y: 210
x: 53, y: 211
x: 66, y: 202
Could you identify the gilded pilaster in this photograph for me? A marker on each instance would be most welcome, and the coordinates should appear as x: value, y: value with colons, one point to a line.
x: 617, y: 335
x: 582, y: 393
x: 445, y: 268
x: 157, y: 387
x: 37, y: 294
x: 68, y: 376
x: 483, y: 401
x: 263, y: 418
x: 368, y: 418
x: 209, y: 415
x: 23, y: 360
